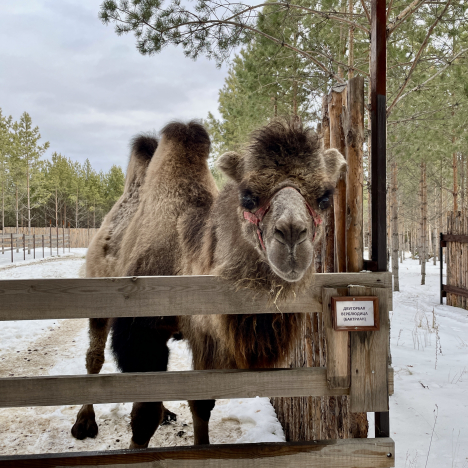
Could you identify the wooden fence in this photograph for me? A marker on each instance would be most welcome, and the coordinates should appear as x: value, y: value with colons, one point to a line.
x: 456, y: 243
x: 57, y: 242
x: 79, y: 237
x: 357, y: 365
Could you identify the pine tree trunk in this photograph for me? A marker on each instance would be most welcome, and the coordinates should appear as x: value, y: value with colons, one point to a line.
x: 329, y: 237
x: 455, y: 181
x: 17, y: 211
x: 29, y: 198
x: 351, y: 42
x: 355, y: 174
x: 423, y: 222
x: 3, y: 204
x: 337, y: 140
x: 395, y: 267
x: 56, y: 209
x: 462, y: 181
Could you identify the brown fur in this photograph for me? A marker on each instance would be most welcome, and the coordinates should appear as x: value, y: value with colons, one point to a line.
x: 183, y: 227
x: 103, y: 250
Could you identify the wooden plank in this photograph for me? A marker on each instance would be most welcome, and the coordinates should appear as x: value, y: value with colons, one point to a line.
x: 455, y: 238
x: 164, y: 386
x: 369, y: 359
x: 356, y: 453
x: 338, y: 370
x: 155, y: 296
x: 454, y: 290
x: 167, y: 386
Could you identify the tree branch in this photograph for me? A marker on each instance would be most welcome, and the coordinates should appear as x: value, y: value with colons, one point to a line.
x: 410, y: 9
x: 366, y: 11
x: 416, y: 59
x: 211, y: 23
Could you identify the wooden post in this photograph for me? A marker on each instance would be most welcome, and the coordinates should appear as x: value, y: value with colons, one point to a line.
x: 57, y: 232
x: 337, y: 140
x: 355, y: 175
x: 329, y: 241
x: 24, y: 246
x: 34, y: 245
x: 63, y: 236
x: 43, y: 254
x: 11, y: 237
x: 50, y: 236
x: 378, y: 72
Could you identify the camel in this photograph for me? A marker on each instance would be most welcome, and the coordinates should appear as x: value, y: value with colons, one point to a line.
x: 101, y: 261
x: 258, y: 233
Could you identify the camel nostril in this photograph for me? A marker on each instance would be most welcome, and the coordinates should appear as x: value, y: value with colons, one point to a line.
x: 302, y: 236
x: 279, y: 236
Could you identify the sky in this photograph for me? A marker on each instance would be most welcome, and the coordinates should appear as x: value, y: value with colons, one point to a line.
x: 87, y: 89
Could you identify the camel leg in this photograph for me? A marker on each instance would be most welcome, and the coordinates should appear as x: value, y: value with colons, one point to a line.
x: 140, y: 346
x: 145, y: 419
x: 85, y: 425
x: 201, y: 412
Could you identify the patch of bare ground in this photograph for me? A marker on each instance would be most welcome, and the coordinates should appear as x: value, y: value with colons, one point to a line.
x: 47, y: 429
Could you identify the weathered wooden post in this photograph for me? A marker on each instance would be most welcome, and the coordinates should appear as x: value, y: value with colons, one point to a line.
x: 336, y: 105
x: 354, y: 132
x: 329, y: 241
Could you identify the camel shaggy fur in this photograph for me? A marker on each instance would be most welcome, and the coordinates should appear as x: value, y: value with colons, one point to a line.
x: 101, y: 261
x: 259, y: 233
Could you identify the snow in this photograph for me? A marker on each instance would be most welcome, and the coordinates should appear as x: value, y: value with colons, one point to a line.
x: 67, y: 265
x: 428, y: 411
x: 429, y: 344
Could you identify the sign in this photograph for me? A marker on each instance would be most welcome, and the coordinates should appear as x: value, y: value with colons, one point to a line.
x: 355, y: 313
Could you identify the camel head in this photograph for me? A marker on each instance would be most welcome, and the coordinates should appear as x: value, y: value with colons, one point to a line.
x: 285, y: 183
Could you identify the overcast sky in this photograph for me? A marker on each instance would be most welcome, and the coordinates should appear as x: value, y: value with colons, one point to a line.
x: 87, y: 89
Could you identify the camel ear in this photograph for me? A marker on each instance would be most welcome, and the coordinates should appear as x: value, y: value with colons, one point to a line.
x: 335, y: 163
x: 231, y: 164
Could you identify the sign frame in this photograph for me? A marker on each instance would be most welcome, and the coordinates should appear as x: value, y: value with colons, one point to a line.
x: 373, y: 299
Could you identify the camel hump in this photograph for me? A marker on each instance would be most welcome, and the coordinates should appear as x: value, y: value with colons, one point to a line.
x: 192, y: 135
x: 143, y: 146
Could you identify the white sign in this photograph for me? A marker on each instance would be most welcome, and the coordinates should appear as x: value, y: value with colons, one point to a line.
x: 355, y: 313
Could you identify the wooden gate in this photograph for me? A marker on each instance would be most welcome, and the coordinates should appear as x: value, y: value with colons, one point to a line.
x: 456, y: 243
x: 357, y: 365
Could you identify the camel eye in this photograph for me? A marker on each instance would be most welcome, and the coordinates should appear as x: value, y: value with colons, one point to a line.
x: 324, y: 203
x: 248, y: 200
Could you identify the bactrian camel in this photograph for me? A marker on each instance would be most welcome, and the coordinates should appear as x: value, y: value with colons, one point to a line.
x: 258, y: 233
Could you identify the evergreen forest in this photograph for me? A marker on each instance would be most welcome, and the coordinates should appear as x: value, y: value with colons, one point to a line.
x: 39, y: 192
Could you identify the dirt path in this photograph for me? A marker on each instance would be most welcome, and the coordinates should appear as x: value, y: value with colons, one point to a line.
x: 60, y: 348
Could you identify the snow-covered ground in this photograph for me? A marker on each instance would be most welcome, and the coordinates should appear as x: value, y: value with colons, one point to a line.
x: 58, y: 347
x: 23, y: 257
x: 429, y: 411
x: 429, y: 344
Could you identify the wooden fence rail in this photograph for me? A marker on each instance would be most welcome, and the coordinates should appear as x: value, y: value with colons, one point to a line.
x: 357, y: 453
x: 144, y: 296
x: 194, y: 295
x: 456, y: 243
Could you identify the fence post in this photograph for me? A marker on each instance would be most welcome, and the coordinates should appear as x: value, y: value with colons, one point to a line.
x: 69, y: 238
x: 63, y: 236
x: 24, y: 246
x: 42, y: 245
x: 50, y: 236
x: 11, y: 247
x: 34, y: 245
